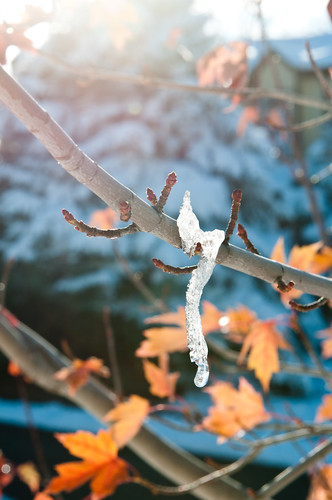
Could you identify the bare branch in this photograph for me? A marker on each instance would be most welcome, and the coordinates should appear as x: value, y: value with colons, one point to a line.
x: 95, y: 231
x: 147, y: 219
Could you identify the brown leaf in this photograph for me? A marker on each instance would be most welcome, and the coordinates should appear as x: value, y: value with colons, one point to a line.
x: 78, y: 373
x: 226, y: 65
x: 263, y: 342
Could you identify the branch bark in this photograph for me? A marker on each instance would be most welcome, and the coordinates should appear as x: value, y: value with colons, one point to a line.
x: 89, y: 173
x: 39, y: 361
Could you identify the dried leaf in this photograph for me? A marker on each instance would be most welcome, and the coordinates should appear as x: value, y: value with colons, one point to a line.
x: 250, y: 114
x: 28, y: 473
x: 303, y: 258
x: 326, y: 344
x: 226, y: 65
x: 321, y: 483
x: 236, y: 323
x: 162, y: 383
x: 263, y: 342
x: 234, y: 410
x: 104, y: 219
x: 128, y: 418
x: 100, y: 465
x: 169, y: 339
x: 324, y: 411
x: 77, y: 374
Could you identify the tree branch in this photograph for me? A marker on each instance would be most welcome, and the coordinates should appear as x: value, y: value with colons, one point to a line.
x: 40, y: 361
x: 112, y: 192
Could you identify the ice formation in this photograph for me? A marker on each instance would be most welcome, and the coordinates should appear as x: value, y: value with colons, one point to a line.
x: 191, y: 234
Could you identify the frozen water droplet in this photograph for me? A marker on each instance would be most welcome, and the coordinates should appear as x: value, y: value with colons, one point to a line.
x: 202, y: 375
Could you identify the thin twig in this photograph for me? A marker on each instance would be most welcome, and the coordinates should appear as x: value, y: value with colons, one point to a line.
x: 94, y: 74
x: 166, y: 191
x: 114, y: 365
x: 95, y: 231
x: 184, y: 488
x: 171, y: 269
x: 291, y: 473
x: 319, y: 75
x: 236, y: 204
x: 284, y: 287
x: 242, y: 233
x: 322, y: 301
x: 303, y: 337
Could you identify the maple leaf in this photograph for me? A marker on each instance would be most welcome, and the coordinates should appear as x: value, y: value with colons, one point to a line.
x: 100, y: 464
x: 162, y: 383
x: 263, y: 342
x: 169, y: 339
x: 234, y: 410
x: 302, y: 258
x: 128, y: 418
x: 250, y: 114
x: 324, y: 411
x: 77, y: 374
x: 237, y: 322
x: 28, y: 473
x: 226, y: 65
x: 41, y: 495
x: 321, y: 483
x: 13, y: 35
x: 104, y: 219
x: 322, y: 261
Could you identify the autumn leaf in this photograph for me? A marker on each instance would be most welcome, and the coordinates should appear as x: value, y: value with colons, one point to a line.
x: 13, y: 369
x: 237, y: 322
x: 322, y: 261
x: 263, y: 342
x: 28, y: 473
x: 303, y: 258
x: 250, y: 114
x: 100, y: 465
x: 77, y: 374
x: 41, y: 495
x: 226, y: 65
x: 167, y: 339
x: 326, y: 345
x: 162, y: 383
x: 234, y: 410
x: 324, y: 411
x: 127, y: 419
x: 13, y: 35
x: 104, y: 219
x: 321, y: 483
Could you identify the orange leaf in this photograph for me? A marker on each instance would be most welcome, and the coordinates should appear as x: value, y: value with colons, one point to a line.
x: 236, y: 323
x: 100, y: 465
x: 77, y: 374
x: 104, y: 219
x: 162, y: 383
x: 322, y: 261
x: 303, y: 258
x: 169, y: 339
x: 250, y: 114
x: 326, y: 344
x: 41, y: 495
x: 128, y: 418
x: 324, y: 411
x: 226, y: 65
x: 234, y: 410
x: 321, y: 483
x: 28, y: 473
x: 13, y: 369
x: 263, y: 342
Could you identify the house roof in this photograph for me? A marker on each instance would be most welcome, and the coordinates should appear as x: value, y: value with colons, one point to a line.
x: 293, y: 52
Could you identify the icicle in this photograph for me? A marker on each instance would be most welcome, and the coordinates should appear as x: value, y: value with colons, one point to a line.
x: 191, y: 234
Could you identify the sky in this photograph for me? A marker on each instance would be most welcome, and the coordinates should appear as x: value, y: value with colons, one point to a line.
x: 283, y: 18
x: 237, y: 18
